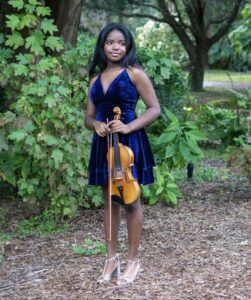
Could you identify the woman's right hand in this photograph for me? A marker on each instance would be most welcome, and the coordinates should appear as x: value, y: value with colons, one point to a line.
x: 101, y: 128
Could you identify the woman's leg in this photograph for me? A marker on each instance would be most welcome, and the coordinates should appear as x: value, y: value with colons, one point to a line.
x: 134, y: 216
x: 111, y: 246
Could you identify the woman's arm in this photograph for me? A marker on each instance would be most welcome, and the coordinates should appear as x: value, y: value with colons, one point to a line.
x: 147, y: 93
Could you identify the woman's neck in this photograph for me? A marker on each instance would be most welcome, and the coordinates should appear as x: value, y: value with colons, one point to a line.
x: 113, y: 67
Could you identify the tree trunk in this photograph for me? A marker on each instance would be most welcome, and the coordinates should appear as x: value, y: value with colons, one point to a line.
x: 5, y: 9
x: 197, y: 77
x: 199, y: 62
x: 67, y: 18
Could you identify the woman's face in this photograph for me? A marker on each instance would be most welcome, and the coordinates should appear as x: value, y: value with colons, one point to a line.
x: 115, y: 46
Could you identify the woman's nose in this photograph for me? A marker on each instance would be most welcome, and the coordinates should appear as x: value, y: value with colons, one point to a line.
x: 115, y: 46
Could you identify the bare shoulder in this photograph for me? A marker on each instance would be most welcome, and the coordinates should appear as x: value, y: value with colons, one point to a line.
x: 137, y: 75
x: 92, y: 81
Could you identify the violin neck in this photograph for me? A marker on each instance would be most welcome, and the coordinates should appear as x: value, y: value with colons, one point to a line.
x: 116, y: 151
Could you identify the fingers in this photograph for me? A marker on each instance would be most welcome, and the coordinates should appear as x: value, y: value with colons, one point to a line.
x: 118, y: 126
x: 101, y: 129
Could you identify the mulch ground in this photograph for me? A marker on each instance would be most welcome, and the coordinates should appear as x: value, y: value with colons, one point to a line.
x: 200, y: 249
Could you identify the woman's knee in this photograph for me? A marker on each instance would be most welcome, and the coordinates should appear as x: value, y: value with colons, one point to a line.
x: 133, y: 208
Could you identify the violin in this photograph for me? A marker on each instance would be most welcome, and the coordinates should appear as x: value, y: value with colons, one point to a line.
x: 123, y: 188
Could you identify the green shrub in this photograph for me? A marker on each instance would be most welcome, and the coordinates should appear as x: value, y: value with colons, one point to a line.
x: 44, y: 149
x: 174, y: 148
x: 169, y: 80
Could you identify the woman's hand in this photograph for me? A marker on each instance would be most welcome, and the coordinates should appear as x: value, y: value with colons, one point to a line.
x: 101, y: 128
x: 118, y: 126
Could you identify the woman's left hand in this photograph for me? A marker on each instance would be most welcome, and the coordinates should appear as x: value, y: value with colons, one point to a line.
x: 118, y: 126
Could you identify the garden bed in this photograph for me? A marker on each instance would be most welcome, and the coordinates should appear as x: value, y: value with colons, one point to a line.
x: 198, y: 250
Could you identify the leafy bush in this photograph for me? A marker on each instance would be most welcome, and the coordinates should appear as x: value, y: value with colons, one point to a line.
x: 164, y: 189
x: 225, y: 123
x: 44, y: 145
x: 239, y: 158
x: 169, y: 80
x: 159, y: 37
x: 175, y: 147
x: 233, y: 50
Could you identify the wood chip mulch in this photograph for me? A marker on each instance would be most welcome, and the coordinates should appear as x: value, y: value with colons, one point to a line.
x: 200, y: 249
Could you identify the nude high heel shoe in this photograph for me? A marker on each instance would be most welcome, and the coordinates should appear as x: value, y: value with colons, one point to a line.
x: 116, y: 272
x: 131, y: 274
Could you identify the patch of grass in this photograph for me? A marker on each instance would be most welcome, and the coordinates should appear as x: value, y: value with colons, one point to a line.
x: 213, y: 154
x: 42, y: 225
x: 223, y: 76
x: 212, y: 94
x: 90, y: 248
x: 4, y: 236
x: 203, y: 174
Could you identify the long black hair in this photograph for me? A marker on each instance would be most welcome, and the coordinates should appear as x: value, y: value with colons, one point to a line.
x: 99, y: 59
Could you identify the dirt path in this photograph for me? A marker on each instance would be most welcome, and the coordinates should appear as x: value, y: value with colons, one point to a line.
x: 227, y: 85
x: 199, y: 250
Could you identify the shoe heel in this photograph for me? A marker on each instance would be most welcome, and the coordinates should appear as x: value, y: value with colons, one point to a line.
x: 118, y: 269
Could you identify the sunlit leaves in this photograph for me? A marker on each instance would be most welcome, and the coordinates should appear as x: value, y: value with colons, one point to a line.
x: 15, y: 40
x: 57, y: 155
x: 35, y: 43
x: 18, y: 4
x: 53, y: 43
x: 180, y: 141
x: 13, y: 22
x: 43, y: 11
x: 48, y: 139
x: 48, y: 26
x: 20, y: 70
x: 28, y: 21
x: 18, y: 135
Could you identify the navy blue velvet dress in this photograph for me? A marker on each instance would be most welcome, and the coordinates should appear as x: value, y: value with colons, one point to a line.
x: 123, y: 93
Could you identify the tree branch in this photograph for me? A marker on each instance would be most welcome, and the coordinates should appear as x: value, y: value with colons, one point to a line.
x: 127, y: 14
x: 191, y: 10
x: 220, y: 33
x: 177, y: 28
x: 144, y: 4
x: 186, y: 26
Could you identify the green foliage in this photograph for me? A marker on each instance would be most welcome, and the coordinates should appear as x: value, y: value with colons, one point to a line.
x: 239, y: 157
x: 42, y: 225
x: 224, y: 124
x: 45, y: 149
x: 169, y: 80
x: 4, y: 237
x: 179, y: 141
x: 224, y: 55
x: 233, y: 51
x: 164, y: 189
x: 39, y: 40
x: 202, y: 173
x: 159, y: 37
x: 176, y: 145
x: 241, y: 36
x: 90, y: 248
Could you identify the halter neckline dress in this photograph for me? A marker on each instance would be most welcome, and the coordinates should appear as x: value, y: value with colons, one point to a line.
x: 123, y: 93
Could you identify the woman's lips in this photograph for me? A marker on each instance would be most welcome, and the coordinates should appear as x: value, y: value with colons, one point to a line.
x: 115, y: 54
